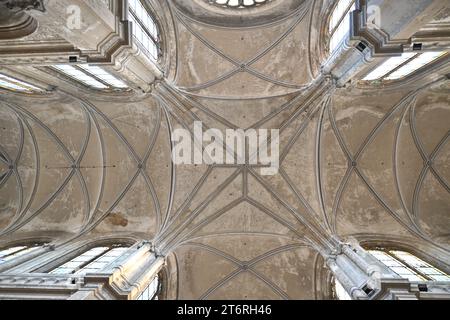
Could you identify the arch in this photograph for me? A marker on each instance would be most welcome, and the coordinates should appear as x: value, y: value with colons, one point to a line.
x: 168, y: 278
x: 323, y: 280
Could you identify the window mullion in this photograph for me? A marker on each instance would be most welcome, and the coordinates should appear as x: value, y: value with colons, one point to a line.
x: 408, y: 265
x: 347, y: 11
x: 15, y: 253
x: 84, y: 264
x: 19, y: 84
x: 144, y: 28
x: 400, y: 66
x: 92, y: 76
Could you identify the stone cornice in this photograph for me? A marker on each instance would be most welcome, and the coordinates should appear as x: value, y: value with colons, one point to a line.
x: 21, y: 5
x: 381, y: 43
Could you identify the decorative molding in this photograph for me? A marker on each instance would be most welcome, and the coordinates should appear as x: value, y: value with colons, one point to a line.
x: 24, y: 25
x: 380, y: 42
x: 14, y: 22
x: 402, y: 289
x: 117, y: 50
x: 23, y: 5
x: 123, y: 279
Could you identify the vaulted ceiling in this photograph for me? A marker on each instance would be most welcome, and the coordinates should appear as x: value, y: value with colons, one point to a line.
x: 370, y: 163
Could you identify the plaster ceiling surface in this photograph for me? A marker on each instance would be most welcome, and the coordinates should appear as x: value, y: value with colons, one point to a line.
x: 353, y: 163
x: 213, y: 13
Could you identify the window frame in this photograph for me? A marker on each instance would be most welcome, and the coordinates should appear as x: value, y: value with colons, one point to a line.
x: 341, y: 20
x: 416, y: 272
x: 28, y: 247
x: 146, y: 290
x: 338, y: 290
x: 93, y: 259
x: 156, y: 41
x: 26, y: 86
x: 107, y: 86
x: 385, y: 77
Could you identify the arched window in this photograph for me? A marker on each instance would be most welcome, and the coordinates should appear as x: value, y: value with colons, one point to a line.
x: 151, y: 292
x: 91, y: 261
x: 16, y: 85
x: 409, y: 266
x: 91, y: 76
x: 145, y: 30
x: 339, y: 25
x: 11, y: 253
x: 399, y: 67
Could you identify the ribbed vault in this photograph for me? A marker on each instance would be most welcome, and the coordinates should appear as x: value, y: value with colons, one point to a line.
x: 354, y: 163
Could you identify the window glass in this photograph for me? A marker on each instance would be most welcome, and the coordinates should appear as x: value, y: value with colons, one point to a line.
x: 103, y: 75
x: 424, y: 268
x: 145, y: 31
x: 340, y: 292
x: 16, y: 251
x: 399, y: 67
x: 240, y: 4
x: 409, y: 266
x: 91, y: 261
x: 415, y: 64
x: 13, y: 84
x: 91, y: 76
x: 340, y: 22
x: 150, y: 292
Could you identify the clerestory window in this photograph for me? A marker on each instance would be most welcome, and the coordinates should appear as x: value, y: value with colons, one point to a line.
x: 151, y: 291
x: 92, y: 76
x: 339, y: 26
x: 91, y: 261
x: 400, y: 67
x: 339, y: 292
x: 13, y: 252
x: 145, y: 30
x: 16, y: 85
x: 409, y: 266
